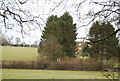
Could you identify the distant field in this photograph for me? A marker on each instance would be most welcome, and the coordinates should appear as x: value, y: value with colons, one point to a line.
x: 19, y: 53
x: 50, y: 74
x: 23, y: 54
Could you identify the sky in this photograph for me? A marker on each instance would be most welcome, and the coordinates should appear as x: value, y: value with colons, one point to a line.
x: 45, y: 8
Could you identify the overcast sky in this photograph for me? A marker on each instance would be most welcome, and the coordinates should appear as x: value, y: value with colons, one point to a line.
x: 45, y: 8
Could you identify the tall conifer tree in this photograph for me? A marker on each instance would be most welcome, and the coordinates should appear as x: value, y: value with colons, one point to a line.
x: 64, y: 31
x: 106, y: 48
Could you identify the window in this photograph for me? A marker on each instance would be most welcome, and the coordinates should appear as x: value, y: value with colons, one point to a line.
x: 79, y: 48
x: 80, y: 44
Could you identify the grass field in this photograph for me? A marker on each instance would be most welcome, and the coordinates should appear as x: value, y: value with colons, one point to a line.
x: 23, y: 54
x: 18, y: 53
x: 29, y: 53
x: 50, y: 74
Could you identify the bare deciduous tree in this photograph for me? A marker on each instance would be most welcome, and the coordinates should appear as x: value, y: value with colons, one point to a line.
x: 51, y: 48
x: 17, y: 12
x: 10, y: 39
x: 102, y: 10
x: 17, y: 40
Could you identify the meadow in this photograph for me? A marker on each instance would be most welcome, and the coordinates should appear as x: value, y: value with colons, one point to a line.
x: 30, y: 54
x: 19, y: 53
x: 51, y: 74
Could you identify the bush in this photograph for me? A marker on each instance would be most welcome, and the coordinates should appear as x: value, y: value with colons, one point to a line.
x: 69, y: 64
x: 92, y: 65
x: 80, y: 64
x: 19, y: 64
x: 66, y: 64
x: 43, y: 64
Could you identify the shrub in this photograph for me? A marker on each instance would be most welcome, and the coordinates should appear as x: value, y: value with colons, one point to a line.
x: 19, y: 64
x: 69, y: 64
x: 43, y: 64
x: 92, y: 64
x: 66, y: 64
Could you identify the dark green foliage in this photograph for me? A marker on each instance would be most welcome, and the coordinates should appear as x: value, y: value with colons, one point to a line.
x: 107, y: 48
x: 63, y: 33
x: 68, y: 35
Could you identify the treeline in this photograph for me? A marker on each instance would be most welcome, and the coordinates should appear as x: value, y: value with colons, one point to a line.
x: 19, y: 45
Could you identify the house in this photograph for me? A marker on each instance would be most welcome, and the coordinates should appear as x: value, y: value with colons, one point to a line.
x: 80, y: 46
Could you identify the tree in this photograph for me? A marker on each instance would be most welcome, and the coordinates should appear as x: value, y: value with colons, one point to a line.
x: 109, y: 10
x: 51, y: 28
x: 10, y: 40
x: 17, y: 40
x: 68, y: 34
x: 51, y: 48
x: 107, y: 48
x: 64, y: 32
x: 17, y: 13
x: 36, y: 43
x: 106, y: 10
x: 3, y: 40
x: 25, y: 15
x: 49, y: 45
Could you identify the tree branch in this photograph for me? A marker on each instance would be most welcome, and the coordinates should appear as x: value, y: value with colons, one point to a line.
x: 22, y: 2
x: 103, y: 38
x: 106, y: 37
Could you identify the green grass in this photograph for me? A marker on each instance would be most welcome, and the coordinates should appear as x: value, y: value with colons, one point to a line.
x: 50, y: 74
x: 81, y: 57
x: 116, y: 65
x: 19, y: 53
x: 29, y: 53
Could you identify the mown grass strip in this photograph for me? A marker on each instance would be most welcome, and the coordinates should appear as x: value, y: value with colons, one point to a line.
x: 51, y: 74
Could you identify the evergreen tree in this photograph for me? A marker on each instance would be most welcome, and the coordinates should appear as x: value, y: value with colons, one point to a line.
x: 51, y: 28
x: 68, y: 35
x: 107, y: 48
x: 64, y: 32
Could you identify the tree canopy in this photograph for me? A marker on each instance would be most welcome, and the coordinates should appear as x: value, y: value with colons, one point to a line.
x: 107, y: 48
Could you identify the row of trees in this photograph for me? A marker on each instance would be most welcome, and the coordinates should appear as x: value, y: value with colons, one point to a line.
x: 59, y: 35
x: 58, y: 39
x: 9, y: 42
